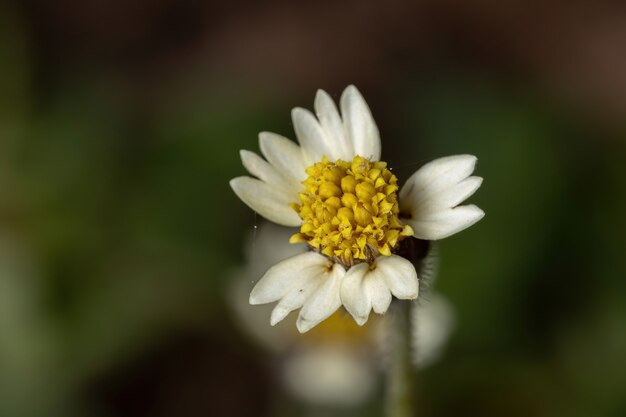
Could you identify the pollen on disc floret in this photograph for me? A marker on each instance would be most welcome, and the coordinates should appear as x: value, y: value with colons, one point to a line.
x: 349, y: 210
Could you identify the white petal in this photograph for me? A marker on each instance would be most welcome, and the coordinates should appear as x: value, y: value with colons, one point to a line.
x: 324, y: 301
x: 399, y: 274
x: 287, y: 274
x: 261, y: 169
x: 331, y: 123
x: 284, y: 155
x: 439, y: 225
x: 311, y: 136
x: 330, y: 375
x: 270, y: 202
x: 297, y: 296
x: 354, y: 296
x: 364, y: 290
x: 359, y: 124
x: 435, y: 177
x: 433, y: 322
x: 379, y: 293
x: 431, y: 194
x: 452, y: 196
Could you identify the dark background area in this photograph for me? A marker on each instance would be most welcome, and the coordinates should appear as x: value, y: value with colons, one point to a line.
x: 120, y: 126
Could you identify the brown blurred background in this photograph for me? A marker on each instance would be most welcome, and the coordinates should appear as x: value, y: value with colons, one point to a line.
x: 120, y: 125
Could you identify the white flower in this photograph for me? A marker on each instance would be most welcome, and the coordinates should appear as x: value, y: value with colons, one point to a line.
x: 433, y: 322
x: 346, y: 204
x: 330, y: 375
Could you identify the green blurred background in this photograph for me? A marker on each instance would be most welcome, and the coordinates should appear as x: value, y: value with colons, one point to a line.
x: 120, y: 125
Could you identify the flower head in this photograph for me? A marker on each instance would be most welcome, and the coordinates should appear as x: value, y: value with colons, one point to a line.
x: 349, y: 210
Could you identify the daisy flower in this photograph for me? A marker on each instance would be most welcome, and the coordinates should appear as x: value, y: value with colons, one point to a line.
x: 349, y: 210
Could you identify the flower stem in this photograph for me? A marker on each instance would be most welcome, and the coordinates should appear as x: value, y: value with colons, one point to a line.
x: 399, y: 384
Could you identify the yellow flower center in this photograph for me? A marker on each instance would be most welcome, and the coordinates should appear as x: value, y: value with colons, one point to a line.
x: 349, y: 210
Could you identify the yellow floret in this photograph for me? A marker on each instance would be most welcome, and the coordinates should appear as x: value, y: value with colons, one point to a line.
x: 349, y: 210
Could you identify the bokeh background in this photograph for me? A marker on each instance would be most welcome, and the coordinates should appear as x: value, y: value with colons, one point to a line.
x: 120, y: 125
